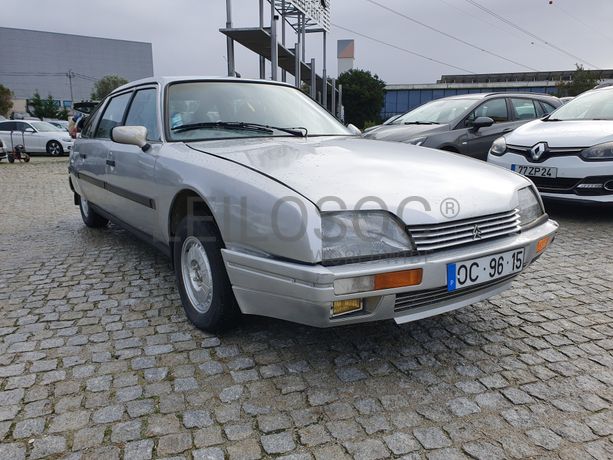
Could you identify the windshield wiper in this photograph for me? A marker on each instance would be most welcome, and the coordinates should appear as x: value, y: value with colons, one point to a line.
x: 421, y: 123
x: 239, y: 125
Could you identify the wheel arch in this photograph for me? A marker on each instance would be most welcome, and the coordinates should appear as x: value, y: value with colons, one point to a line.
x: 179, y: 208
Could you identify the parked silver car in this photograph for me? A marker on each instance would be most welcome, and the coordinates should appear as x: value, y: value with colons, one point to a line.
x: 267, y: 205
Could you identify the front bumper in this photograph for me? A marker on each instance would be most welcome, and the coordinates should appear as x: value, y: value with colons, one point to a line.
x: 573, y: 174
x: 304, y: 293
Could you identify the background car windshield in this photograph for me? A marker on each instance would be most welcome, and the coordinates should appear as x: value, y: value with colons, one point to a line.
x: 442, y: 111
x: 266, y: 104
x: 45, y: 127
x: 591, y: 106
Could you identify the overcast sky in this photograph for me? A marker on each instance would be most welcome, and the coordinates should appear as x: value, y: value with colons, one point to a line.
x: 186, y: 38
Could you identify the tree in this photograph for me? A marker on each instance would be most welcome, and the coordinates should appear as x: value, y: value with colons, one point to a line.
x: 105, y: 85
x: 582, y: 80
x: 46, y: 108
x: 6, y: 102
x: 363, y: 96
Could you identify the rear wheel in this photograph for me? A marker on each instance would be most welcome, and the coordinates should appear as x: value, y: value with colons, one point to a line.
x: 54, y: 148
x: 204, y: 286
x: 89, y: 216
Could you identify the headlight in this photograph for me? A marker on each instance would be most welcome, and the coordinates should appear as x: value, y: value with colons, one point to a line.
x: 417, y: 141
x: 67, y: 139
x: 599, y: 152
x: 530, y: 207
x: 362, y: 234
x: 499, y: 146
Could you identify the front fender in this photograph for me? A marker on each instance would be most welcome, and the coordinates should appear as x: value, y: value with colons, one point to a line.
x: 254, y: 213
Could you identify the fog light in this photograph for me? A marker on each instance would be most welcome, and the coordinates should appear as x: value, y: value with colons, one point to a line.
x: 342, y: 307
x: 542, y: 244
x: 381, y: 281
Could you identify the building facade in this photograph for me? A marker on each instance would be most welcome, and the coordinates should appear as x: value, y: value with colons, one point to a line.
x: 66, y: 66
x: 403, y: 98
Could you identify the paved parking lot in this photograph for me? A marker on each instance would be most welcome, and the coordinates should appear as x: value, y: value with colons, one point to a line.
x: 98, y: 361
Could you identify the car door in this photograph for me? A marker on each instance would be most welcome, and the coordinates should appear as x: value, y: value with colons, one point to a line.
x: 25, y: 134
x: 91, y: 151
x: 130, y: 171
x: 479, y: 141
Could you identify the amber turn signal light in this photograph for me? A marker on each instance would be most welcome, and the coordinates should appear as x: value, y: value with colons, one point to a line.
x: 398, y: 279
x: 542, y: 244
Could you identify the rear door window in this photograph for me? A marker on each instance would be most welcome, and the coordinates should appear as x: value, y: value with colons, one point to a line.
x: 113, y: 115
x: 7, y: 126
x: 524, y: 109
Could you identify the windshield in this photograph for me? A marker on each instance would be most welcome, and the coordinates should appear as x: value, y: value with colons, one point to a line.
x: 440, y: 111
x: 597, y: 105
x: 45, y: 127
x: 215, y: 110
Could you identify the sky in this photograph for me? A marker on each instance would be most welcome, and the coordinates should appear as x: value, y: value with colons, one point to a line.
x: 186, y: 38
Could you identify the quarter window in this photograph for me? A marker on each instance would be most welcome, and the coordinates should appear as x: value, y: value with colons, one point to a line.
x: 143, y: 112
x: 547, y: 107
x: 524, y: 109
x: 113, y: 115
x: 496, y: 109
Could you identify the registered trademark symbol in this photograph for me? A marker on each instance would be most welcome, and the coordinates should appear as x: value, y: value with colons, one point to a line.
x: 450, y: 208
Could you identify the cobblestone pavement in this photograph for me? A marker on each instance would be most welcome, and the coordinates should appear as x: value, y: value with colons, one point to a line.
x: 98, y: 361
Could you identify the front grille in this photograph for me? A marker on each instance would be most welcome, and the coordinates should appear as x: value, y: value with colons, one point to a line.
x: 555, y: 184
x: 411, y: 300
x: 460, y: 232
x: 550, y: 152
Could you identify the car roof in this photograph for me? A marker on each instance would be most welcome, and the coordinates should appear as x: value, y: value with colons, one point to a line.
x: 480, y: 96
x: 165, y: 80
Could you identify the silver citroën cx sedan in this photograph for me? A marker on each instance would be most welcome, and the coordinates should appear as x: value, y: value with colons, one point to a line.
x: 268, y: 205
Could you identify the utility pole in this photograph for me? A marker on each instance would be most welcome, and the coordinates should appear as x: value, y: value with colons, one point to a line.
x: 229, y: 41
x: 70, y: 75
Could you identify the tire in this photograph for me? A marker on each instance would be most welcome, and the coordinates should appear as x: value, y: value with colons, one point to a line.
x: 11, y: 158
x: 89, y: 216
x: 54, y: 148
x: 202, y: 280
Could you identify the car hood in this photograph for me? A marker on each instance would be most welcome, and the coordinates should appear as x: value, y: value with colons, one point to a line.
x: 572, y: 133
x: 402, y: 133
x: 414, y: 183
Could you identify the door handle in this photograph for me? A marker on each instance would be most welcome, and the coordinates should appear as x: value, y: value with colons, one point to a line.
x: 110, y: 162
x: 83, y: 155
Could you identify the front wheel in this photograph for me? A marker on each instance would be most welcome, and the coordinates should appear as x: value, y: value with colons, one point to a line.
x: 204, y: 287
x: 54, y: 148
x: 90, y: 217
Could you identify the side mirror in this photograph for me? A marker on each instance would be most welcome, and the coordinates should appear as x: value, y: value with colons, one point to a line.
x: 482, y: 122
x: 131, y: 135
x: 29, y: 130
x: 354, y: 129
